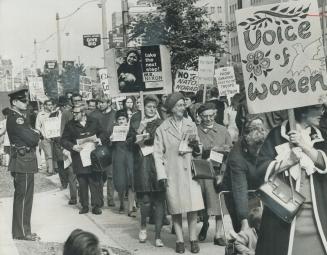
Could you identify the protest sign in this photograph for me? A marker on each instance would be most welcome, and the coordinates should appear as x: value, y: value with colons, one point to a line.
x: 85, y: 87
x: 36, y: 89
x: 187, y: 81
x: 151, y: 66
x: 119, y: 133
x: 142, y: 69
x: 51, y: 127
x: 67, y: 64
x: 206, y: 69
x: 92, y: 41
x: 282, y: 55
x: 226, y: 81
x: 104, y: 80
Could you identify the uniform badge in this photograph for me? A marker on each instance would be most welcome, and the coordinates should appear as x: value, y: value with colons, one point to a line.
x: 20, y: 121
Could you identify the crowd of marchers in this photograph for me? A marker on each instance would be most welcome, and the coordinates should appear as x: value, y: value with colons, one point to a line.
x: 156, y: 176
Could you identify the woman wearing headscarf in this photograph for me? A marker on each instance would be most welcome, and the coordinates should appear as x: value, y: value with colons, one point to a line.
x: 148, y: 190
x: 302, y: 152
x: 173, y: 165
x: 241, y: 174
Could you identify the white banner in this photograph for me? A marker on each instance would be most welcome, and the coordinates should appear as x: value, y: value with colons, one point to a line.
x: 187, y: 81
x: 36, y: 89
x: 282, y: 55
x: 206, y: 69
x: 226, y: 81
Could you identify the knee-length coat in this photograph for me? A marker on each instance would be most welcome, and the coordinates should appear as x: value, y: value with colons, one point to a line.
x: 183, y: 193
x: 275, y: 236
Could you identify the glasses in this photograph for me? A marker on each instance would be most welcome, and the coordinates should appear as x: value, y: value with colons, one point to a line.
x: 207, y: 116
x: 74, y: 113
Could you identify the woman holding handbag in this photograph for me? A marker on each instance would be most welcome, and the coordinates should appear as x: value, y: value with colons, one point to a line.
x: 298, y: 156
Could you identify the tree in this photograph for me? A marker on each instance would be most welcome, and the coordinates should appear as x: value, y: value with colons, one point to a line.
x: 70, y: 77
x: 183, y: 27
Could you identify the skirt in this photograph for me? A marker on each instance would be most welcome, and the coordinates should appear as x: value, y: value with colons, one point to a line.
x: 306, y: 238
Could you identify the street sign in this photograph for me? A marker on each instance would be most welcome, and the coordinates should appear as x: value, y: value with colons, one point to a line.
x: 92, y: 41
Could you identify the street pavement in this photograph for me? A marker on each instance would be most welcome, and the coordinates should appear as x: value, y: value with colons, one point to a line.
x: 53, y: 219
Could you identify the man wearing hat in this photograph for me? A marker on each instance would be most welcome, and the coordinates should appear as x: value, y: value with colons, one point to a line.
x: 22, y: 165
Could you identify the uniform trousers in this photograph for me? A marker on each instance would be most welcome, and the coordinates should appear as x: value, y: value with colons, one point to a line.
x: 23, y: 201
x: 95, y: 183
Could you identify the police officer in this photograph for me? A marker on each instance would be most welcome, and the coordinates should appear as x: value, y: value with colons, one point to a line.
x: 22, y: 164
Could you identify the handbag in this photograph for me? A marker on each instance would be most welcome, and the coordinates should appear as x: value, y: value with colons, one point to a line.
x: 202, y: 169
x: 281, y: 198
x: 101, y: 157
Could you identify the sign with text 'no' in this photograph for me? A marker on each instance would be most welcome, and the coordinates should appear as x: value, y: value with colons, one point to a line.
x: 226, y: 81
x: 282, y: 56
x: 92, y: 41
x: 187, y: 81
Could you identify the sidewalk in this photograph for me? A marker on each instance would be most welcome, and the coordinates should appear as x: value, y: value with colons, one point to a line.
x: 53, y: 219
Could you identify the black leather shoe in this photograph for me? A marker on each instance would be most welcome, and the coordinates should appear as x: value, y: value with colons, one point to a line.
x: 84, y: 210
x: 180, y: 247
x: 203, y: 232
x: 110, y: 203
x: 219, y: 241
x: 72, y: 202
x: 96, y: 210
x: 195, y: 248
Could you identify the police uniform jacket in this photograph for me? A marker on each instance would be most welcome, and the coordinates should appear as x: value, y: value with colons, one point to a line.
x: 73, y: 131
x: 23, y: 140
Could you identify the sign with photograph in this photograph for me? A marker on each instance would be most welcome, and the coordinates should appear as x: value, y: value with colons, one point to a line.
x: 85, y: 87
x: 226, y: 81
x: 92, y: 41
x: 145, y: 68
x: 206, y: 69
x: 282, y: 55
x: 36, y: 89
x: 187, y: 81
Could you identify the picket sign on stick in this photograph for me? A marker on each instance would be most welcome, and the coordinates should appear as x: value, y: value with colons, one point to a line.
x: 291, y: 119
x: 142, y: 104
x: 204, y: 93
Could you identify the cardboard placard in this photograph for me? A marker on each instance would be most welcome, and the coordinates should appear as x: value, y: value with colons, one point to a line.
x: 104, y: 80
x: 85, y: 87
x: 187, y: 81
x: 226, y: 81
x: 52, y: 127
x: 282, y: 55
x: 36, y: 89
x: 206, y: 69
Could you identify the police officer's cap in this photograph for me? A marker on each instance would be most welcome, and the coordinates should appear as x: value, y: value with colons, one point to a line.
x: 20, y: 93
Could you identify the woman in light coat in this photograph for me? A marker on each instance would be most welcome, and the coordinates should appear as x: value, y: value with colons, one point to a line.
x: 174, y: 169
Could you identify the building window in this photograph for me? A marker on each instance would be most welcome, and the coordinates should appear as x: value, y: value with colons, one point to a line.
x: 212, y: 10
x: 219, y: 9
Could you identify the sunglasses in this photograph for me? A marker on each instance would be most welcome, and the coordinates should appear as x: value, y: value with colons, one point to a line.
x: 23, y: 100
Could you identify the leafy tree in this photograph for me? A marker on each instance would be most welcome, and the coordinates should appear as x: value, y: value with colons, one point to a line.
x: 182, y: 26
x: 70, y: 77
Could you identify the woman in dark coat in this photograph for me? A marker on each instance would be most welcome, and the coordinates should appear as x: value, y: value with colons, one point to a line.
x: 147, y: 188
x: 307, y: 161
x: 130, y: 73
x: 122, y: 161
x: 241, y: 174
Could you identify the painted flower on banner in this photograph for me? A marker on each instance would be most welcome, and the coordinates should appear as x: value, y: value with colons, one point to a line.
x: 257, y: 64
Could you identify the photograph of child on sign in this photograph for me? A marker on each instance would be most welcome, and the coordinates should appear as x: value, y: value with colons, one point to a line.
x: 130, y: 71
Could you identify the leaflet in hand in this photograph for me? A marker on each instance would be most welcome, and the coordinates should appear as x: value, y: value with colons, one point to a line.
x: 88, y: 145
x: 183, y: 146
x: 119, y: 133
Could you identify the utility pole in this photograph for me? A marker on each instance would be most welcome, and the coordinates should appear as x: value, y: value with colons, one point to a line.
x: 35, y: 55
x: 58, y: 45
x: 124, y: 8
x: 323, y: 10
x: 105, y: 35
